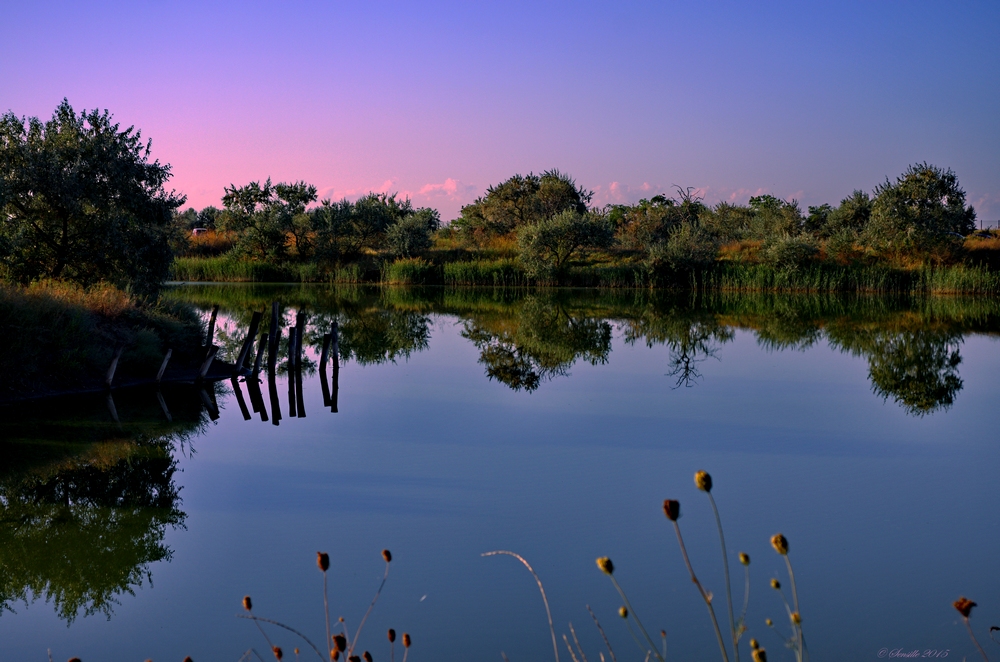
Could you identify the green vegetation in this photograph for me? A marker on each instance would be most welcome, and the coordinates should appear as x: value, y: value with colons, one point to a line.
x: 61, y: 337
x: 528, y: 337
x: 80, y: 201
x: 85, y: 502
x: 913, y: 235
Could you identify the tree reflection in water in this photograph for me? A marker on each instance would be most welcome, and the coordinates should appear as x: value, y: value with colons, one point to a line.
x: 526, y: 338
x: 83, y: 524
x: 540, y: 341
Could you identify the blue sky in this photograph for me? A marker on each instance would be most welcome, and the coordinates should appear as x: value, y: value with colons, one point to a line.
x: 440, y: 100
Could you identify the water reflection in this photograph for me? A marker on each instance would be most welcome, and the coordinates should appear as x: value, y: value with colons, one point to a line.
x: 86, y: 500
x: 538, y: 342
x: 526, y: 338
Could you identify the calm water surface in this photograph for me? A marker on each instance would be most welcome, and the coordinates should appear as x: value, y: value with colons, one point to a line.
x: 550, y: 424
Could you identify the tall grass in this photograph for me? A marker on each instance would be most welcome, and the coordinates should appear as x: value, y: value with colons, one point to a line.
x: 504, y: 272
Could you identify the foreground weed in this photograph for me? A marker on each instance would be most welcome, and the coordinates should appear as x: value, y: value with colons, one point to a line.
x: 337, y: 645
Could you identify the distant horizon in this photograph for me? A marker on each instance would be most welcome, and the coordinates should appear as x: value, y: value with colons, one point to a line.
x: 438, y: 102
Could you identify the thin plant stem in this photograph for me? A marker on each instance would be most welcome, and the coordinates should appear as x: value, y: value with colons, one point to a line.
x: 635, y: 637
x: 504, y: 656
x: 385, y: 576
x: 791, y: 578
x: 663, y: 635
x: 795, y: 599
x: 570, y: 649
x: 974, y: 640
x: 603, y: 636
x: 406, y: 651
x: 704, y: 595
x: 541, y: 589
x: 583, y: 656
x: 280, y: 625
x: 725, y: 568
x: 746, y: 600
x: 635, y: 616
x: 326, y: 611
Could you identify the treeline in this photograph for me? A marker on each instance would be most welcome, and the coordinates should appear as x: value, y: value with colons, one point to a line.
x: 543, y: 229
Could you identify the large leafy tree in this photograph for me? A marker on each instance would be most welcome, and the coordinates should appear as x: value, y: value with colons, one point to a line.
x: 924, y: 209
x: 522, y: 200
x: 268, y: 219
x: 81, y: 200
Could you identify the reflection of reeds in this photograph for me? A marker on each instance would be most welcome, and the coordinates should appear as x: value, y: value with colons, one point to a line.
x: 541, y: 589
x: 797, y: 641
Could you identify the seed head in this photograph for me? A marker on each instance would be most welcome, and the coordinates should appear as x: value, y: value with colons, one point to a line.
x: 188, y: 659
x: 387, y: 555
x: 663, y: 633
x: 775, y: 584
x: 247, y: 604
x: 759, y: 655
x: 672, y: 509
x: 323, y: 561
x: 769, y: 622
x: 367, y: 656
x: 334, y: 654
x: 754, y: 645
x: 277, y: 653
x: 392, y: 635
x: 74, y: 659
x: 623, y: 611
x: 780, y: 544
x: 340, y: 641
x: 606, y: 566
x: 964, y: 606
x: 354, y: 658
x: 796, y: 618
x: 703, y: 481
x: 406, y: 640
x: 744, y: 558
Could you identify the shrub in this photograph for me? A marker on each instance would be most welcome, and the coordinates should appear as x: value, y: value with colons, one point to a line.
x: 790, y: 252
x: 547, y: 245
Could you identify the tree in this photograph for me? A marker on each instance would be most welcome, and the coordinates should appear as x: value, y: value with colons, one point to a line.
x: 522, y: 200
x: 80, y: 200
x: 347, y: 229
x: 923, y: 210
x: 412, y: 235
x: 266, y: 218
x: 547, y: 245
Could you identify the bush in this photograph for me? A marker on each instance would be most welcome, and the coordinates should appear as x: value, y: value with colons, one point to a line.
x: 412, y: 235
x: 790, y: 252
x: 688, y: 247
x: 547, y: 245
x: 923, y: 211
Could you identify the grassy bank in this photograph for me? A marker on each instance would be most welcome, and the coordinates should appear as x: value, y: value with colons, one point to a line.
x: 61, y: 337
x: 509, y: 272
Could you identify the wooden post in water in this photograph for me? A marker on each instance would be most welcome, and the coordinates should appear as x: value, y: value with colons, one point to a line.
x: 325, y: 384
x: 163, y: 366
x: 275, y: 338
x: 210, y: 336
x: 235, y: 381
x: 291, y: 371
x: 113, y: 410
x: 163, y: 406
x: 256, y: 397
x: 248, y: 341
x: 114, y: 364
x: 300, y: 326
x: 210, y: 405
x: 335, y: 355
x: 260, y: 353
x: 272, y: 391
x: 325, y: 353
x: 207, y: 363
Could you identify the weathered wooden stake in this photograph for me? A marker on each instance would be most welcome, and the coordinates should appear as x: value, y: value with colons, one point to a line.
x: 210, y: 336
x: 163, y: 366
x: 207, y: 363
x: 275, y: 338
x: 272, y: 391
x: 248, y: 341
x: 325, y: 384
x: 210, y: 405
x: 300, y: 399
x: 335, y: 348
x: 260, y: 353
x: 300, y: 326
x: 163, y: 406
x: 325, y: 353
x: 335, y: 387
x: 113, y: 410
x: 114, y: 364
x: 257, y: 398
x: 239, y: 398
x: 291, y: 371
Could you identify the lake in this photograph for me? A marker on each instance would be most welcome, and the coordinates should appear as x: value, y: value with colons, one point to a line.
x: 550, y: 423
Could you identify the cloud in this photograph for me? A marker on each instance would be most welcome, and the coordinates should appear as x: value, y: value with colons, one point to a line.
x: 618, y: 193
x: 334, y: 193
x: 450, y: 189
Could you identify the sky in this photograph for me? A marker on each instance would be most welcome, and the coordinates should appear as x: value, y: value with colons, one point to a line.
x: 437, y: 101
